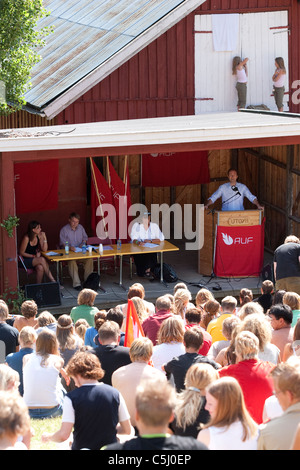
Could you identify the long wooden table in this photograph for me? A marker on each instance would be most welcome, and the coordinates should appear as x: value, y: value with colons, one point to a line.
x: 126, y: 249
x: 133, y: 249
x: 72, y: 256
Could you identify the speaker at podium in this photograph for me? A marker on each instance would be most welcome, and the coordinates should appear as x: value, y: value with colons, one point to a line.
x: 45, y: 295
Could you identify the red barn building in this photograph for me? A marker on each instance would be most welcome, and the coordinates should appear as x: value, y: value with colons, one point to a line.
x: 127, y: 60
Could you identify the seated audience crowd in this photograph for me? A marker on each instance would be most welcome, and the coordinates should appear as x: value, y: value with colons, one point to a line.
x: 201, y: 374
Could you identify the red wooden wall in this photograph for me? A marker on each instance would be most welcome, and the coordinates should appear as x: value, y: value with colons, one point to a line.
x: 159, y: 81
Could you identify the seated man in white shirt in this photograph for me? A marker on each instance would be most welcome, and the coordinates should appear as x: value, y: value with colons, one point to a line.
x: 141, y: 233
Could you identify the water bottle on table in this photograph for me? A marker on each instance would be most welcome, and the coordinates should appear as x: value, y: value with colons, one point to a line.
x: 119, y: 244
x: 67, y: 248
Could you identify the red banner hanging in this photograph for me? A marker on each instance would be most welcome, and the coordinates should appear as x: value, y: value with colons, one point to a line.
x: 36, y: 186
x: 175, y: 169
x: 239, y: 251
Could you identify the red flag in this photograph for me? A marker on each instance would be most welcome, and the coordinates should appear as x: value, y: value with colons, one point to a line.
x: 100, y: 194
x: 175, y: 169
x: 133, y: 327
x: 120, y: 191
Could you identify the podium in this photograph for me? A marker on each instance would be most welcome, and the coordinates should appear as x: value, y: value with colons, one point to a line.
x: 233, y: 243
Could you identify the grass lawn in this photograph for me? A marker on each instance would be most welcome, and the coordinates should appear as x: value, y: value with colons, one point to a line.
x: 39, y: 426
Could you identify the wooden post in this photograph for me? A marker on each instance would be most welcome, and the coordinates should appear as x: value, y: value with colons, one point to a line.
x: 8, y: 246
x: 289, y: 188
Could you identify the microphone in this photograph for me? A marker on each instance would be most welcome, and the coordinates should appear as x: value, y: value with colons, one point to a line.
x: 235, y: 189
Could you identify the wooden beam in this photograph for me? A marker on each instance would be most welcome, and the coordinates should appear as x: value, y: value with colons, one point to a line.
x: 289, y: 187
x: 8, y: 246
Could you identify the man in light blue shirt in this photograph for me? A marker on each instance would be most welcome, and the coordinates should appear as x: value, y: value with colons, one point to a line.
x: 232, y: 194
x: 76, y: 236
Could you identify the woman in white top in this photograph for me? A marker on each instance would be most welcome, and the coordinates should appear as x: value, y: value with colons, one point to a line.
x: 169, y: 341
x: 43, y: 392
x: 239, y: 69
x: 141, y: 233
x: 261, y: 327
x: 278, y: 82
x: 231, y: 426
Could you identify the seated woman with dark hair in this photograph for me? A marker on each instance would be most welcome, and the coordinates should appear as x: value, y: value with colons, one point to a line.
x: 32, y: 244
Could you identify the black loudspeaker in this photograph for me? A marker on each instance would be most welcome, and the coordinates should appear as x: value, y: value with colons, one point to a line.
x: 45, y: 295
x: 267, y: 273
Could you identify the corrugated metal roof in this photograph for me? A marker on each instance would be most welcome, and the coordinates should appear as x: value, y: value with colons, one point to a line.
x: 86, y: 34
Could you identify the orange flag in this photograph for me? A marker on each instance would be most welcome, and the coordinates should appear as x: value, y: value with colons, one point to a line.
x: 133, y: 327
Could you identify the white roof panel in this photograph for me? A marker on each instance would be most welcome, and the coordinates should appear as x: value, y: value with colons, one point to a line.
x: 205, y: 128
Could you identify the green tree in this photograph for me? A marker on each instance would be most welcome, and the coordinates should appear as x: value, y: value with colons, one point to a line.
x: 20, y: 41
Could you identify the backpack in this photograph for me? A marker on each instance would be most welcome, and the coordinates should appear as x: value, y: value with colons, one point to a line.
x: 169, y: 275
x: 92, y: 282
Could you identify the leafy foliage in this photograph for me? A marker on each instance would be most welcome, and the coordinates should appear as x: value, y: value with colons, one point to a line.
x: 9, y: 224
x: 20, y: 41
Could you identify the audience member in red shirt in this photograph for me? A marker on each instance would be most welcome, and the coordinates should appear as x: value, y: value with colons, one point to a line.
x: 152, y: 323
x: 252, y: 374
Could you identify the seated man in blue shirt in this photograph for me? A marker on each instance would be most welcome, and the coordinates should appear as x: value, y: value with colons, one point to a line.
x: 232, y: 194
x: 74, y: 233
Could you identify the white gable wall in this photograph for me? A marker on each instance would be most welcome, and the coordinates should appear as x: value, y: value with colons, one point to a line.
x: 261, y: 38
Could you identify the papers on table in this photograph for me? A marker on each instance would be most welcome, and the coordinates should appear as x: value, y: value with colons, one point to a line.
x: 53, y: 253
x: 96, y: 248
x: 149, y: 245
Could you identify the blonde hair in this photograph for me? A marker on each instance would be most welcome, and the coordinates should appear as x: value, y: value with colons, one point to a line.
x: 65, y: 332
x: 140, y: 308
x: 171, y: 330
x: 292, y: 299
x: 250, y: 308
x: 45, y: 318
x: 86, y: 297
x: 81, y: 326
x: 190, y: 400
x: 8, y: 377
x: 46, y: 344
x: 288, y: 376
x: 181, y: 299
x: 155, y: 401
x: 228, y: 303
x: 231, y: 406
x: 246, y: 345
x: 4, y: 312
x: 202, y: 296
x: 28, y: 335
x: 260, y: 326
x: 14, y: 416
x: 141, y: 349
